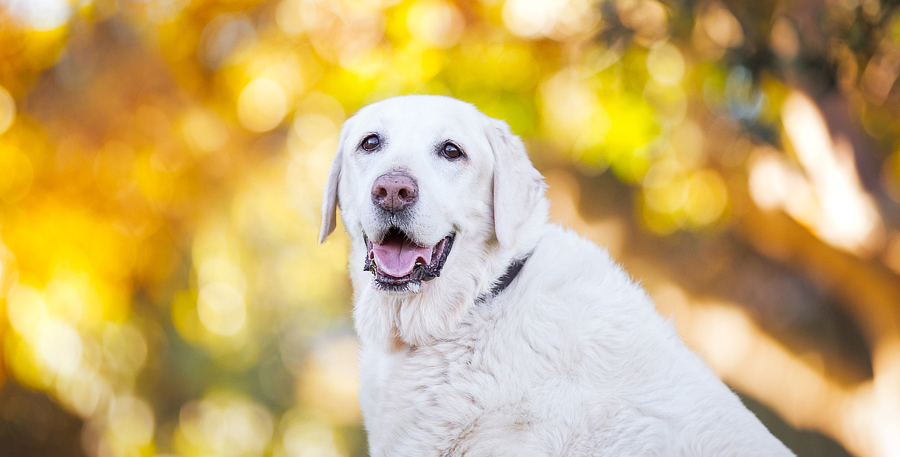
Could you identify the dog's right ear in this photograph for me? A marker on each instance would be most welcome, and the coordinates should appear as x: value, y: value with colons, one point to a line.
x: 517, y: 185
x: 330, y: 195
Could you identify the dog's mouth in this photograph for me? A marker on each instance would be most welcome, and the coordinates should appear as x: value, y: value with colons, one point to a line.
x: 397, y: 261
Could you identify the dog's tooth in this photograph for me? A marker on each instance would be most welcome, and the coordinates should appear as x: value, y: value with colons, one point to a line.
x: 370, y: 265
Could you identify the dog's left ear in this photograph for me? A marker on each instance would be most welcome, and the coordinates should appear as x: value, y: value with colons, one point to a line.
x: 330, y: 195
x: 329, y: 198
x: 517, y: 184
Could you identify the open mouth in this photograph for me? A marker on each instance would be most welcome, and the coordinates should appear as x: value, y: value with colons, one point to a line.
x: 397, y: 260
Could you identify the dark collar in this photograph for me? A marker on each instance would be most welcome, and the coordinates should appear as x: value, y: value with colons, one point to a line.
x: 504, y: 281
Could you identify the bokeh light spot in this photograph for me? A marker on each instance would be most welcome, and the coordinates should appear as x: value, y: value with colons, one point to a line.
x: 331, y: 377
x: 222, y: 37
x: 528, y: 18
x: 226, y: 424
x: 303, y: 439
x: 784, y: 40
x: 435, y: 22
x: 721, y: 26
x: 220, y: 269
x: 555, y: 19
x: 648, y: 18
x: 131, y: 420
x: 312, y: 129
x: 204, y: 130
x: 7, y: 110
x: 665, y: 64
x: 262, y: 105
x: 63, y: 299
x: 707, y: 198
x: 221, y: 308
x: 25, y: 310
x: 84, y: 391
x: 289, y: 17
x: 124, y: 348
x: 17, y: 175
x: 59, y: 346
x: 40, y: 15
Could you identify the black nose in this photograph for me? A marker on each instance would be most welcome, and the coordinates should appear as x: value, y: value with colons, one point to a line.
x: 394, y: 191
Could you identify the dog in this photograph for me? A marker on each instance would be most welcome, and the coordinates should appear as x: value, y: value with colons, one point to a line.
x: 484, y: 329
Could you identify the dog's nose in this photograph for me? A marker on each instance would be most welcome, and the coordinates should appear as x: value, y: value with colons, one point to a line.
x: 394, y: 192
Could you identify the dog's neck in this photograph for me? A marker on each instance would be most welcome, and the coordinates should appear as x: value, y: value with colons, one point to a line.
x: 504, y: 281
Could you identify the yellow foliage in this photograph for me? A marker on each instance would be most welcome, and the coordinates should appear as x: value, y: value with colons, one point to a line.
x: 161, y: 167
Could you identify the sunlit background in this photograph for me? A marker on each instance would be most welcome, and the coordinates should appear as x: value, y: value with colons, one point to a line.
x: 161, y: 166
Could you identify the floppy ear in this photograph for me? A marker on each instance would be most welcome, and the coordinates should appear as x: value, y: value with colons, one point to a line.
x: 517, y: 184
x: 330, y: 195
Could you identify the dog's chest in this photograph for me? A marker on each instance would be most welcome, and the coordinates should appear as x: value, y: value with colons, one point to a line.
x: 445, y: 400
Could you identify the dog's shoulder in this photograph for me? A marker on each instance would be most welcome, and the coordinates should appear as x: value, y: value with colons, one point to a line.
x: 574, y: 275
x: 575, y: 302
x: 573, y: 307
x: 601, y: 330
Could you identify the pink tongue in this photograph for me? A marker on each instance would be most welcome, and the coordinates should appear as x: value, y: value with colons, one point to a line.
x: 397, y: 256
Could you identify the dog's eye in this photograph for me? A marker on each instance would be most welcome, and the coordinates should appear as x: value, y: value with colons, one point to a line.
x: 371, y: 143
x: 451, y: 151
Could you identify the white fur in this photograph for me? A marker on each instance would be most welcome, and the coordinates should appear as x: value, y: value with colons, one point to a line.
x: 571, y: 359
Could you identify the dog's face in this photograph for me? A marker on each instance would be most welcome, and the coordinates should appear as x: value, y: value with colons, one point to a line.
x: 414, y: 175
x: 429, y: 188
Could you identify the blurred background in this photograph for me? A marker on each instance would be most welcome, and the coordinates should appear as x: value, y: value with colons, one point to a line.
x: 161, y: 167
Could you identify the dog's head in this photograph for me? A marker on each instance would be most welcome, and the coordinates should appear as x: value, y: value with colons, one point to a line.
x: 429, y: 187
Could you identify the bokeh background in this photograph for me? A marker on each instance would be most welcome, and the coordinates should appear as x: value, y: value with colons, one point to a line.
x: 161, y: 166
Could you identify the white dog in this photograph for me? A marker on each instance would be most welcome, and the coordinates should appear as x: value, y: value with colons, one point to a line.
x: 487, y: 331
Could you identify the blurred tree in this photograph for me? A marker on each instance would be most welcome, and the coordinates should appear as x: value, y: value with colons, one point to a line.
x: 161, y: 165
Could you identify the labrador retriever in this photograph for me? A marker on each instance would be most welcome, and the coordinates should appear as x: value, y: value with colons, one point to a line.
x: 487, y: 331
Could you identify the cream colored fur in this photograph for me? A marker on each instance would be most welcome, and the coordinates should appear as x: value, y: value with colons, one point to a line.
x: 571, y: 359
